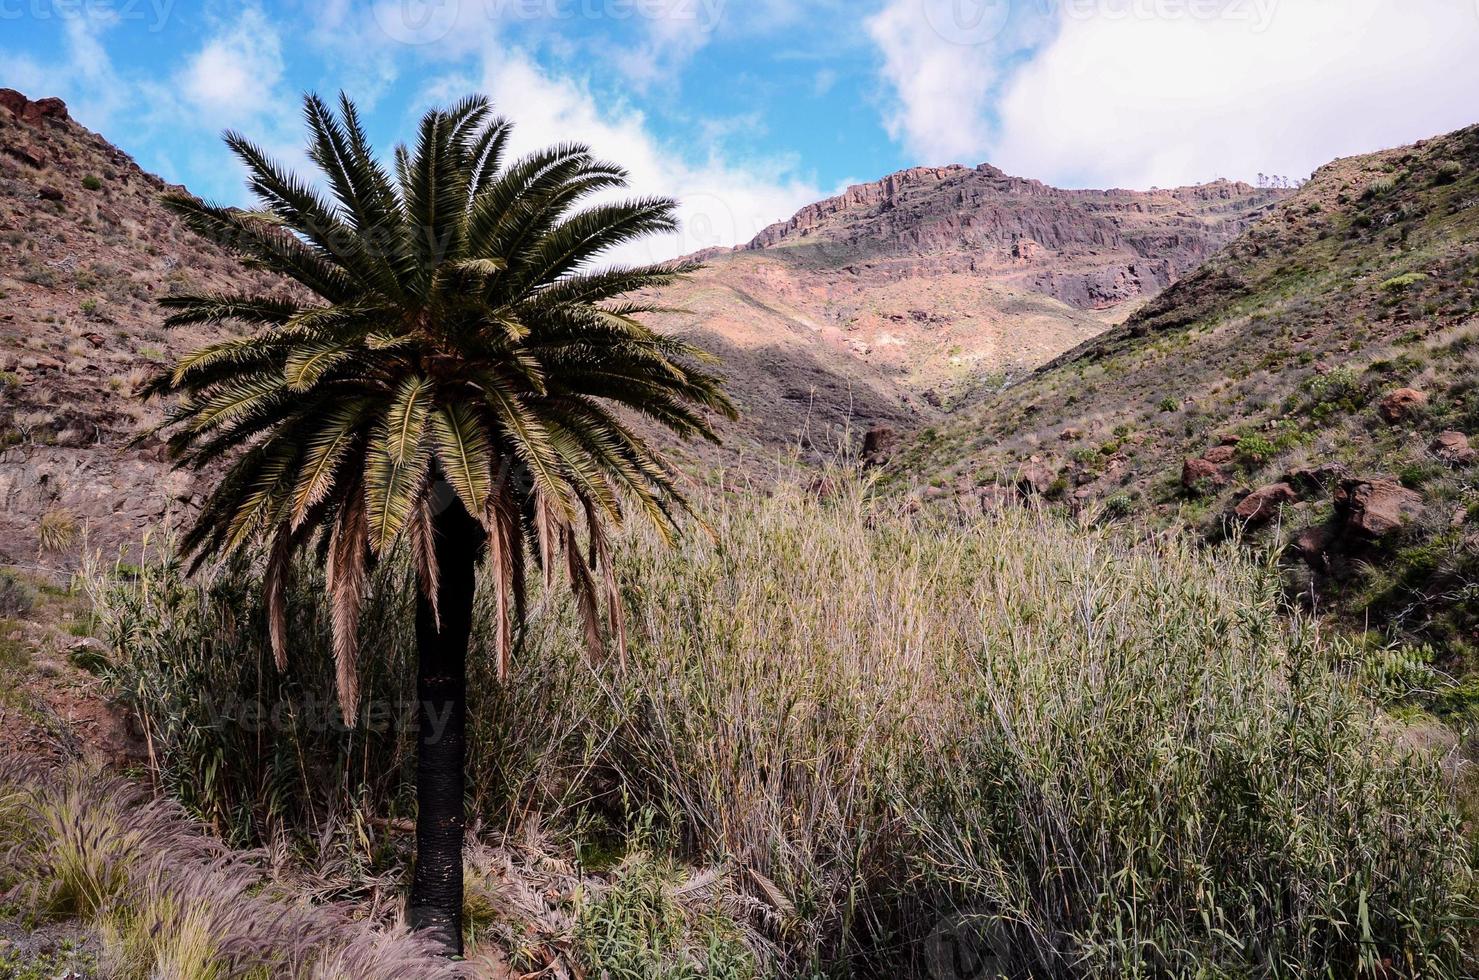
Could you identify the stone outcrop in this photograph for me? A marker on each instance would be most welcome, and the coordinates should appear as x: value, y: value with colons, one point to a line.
x: 1453, y: 448
x: 1264, y: 504
x: 1402, y: 403
x: 1372, y: 509
x: 32, y: 113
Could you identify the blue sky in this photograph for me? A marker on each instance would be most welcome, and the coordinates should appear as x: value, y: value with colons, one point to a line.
x: 747, y: 109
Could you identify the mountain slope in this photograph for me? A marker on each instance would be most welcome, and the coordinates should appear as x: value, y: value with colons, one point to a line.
x: 880, y: 306
x: 1327, y: 360
x: 934, y: 276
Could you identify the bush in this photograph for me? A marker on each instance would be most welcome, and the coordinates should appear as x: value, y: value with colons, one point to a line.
x: 92, y: 183
x: 1100, y: 757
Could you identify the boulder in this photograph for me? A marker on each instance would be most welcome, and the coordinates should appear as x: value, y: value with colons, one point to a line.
x: 1221, y: 455
x: 1036, y: 476
x: 1454, y: 449
x: 1402, y: 403
x: 1198, y: 471
x: 50, y: 194
x: 1265, y: 503
x: 878, y: 443
x: 1314, y: 545
x: 1070, y: 434
x: 995, y: 499
x: 27, y: 111
x: 1376, y: 508
x: 1310, y: 479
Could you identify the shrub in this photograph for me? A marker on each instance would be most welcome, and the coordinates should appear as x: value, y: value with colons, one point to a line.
x: 56, y: 531
x: 1101, y: 756
x: 92, y: 183
x: 1398, y: 284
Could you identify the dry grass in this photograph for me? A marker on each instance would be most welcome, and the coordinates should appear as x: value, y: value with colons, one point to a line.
x: 166, y: 900
x: 885, y: 732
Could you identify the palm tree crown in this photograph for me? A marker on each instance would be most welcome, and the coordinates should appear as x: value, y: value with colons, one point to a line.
x: 449, y: 331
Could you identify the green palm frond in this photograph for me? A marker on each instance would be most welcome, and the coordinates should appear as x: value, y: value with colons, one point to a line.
x: 441, y: 320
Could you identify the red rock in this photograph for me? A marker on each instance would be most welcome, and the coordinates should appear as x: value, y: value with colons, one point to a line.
x: 34, y: 113
x: 13, y: 100
x: 96, y: 339
x: 1454, y: 449
x: 1036, y: 476
x: 1195, y: 471
x: 1402, y: 403
x: 995, y: 499
x: 1309, y: 479
x: 26, y: 154
x: 50, y: 194
x: 1377, y: 508
x: 878, y: 442
x: 1221, y: 455
x: 1313, y: 545
x: 1265, y: 503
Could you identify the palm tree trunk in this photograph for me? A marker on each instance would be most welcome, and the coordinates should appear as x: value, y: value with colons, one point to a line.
x: 441, y: 740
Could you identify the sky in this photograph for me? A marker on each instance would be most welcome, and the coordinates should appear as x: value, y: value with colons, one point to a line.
x: 745, y: 110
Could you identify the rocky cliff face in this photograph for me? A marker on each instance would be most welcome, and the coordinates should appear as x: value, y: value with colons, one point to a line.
x: 938, y: 280
x: 883, y: 305
x: 85, y: 250
x: 1089, y: 249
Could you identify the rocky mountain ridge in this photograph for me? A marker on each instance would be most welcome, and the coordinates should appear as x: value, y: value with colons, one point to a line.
x: 1315, y: 379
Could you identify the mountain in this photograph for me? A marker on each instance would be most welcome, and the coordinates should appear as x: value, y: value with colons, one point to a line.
x: 898, y: 297
x: 1317, y: 376
x: 883, y: 305
x: 85, y: 252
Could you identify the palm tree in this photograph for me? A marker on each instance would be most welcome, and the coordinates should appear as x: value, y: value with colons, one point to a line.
x: 443, y: 371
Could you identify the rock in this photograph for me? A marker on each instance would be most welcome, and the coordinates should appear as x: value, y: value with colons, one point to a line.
x: 27, y: 154
x: 1036, y: 476
x: 1313, y: 544
x: 1265, y: 503
x: 27, y: 111
x: 96, y: 339
x: 1221, y: 455
x: 878, y: 443
x: 50, y: 194
x: 995, y: 499
x: 52, y: 108
x: 1454, y: 449
x: 1376, y: 508
x: 1402, y: 403
x: 1198, y: 471
x: 1317, y: 478
x: 1070, y: 434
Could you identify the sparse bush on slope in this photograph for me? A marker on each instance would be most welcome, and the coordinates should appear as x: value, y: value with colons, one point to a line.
x: 903, y: 738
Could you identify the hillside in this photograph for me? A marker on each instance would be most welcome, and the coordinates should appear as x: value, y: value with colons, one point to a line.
x: 1318, y: 375
x: 928, y: 280
x: 881, y: 306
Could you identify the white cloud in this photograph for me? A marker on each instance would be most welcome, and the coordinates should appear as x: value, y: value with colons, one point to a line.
x: 942, y: 63
x: 722, y: 202
x: 1142, y: 92
x: 237, y: 72
x: 85, y: 78
x: 1170, y: 101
